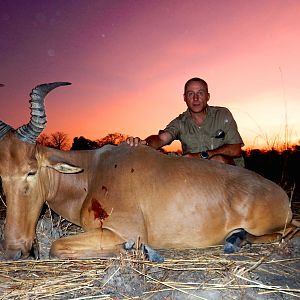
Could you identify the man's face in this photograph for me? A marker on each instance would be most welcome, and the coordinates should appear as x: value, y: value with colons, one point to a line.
x: 196, y: 96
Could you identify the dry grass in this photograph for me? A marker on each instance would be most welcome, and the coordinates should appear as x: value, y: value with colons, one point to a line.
x: 193, y: 273
x: 260, y: 272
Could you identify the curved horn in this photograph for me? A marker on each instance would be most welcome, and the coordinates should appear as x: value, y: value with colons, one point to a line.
x: 4, y: 128
x: 29, y: 132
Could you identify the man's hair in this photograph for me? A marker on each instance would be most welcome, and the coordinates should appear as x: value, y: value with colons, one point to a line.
x: 196, y: 79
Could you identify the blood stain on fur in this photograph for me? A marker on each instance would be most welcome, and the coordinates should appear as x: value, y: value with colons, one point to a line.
x: 99, y: 211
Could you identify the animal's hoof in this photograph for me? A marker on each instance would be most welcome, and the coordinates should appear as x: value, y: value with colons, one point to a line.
x: 230, y: 248
x: 235, y: 241
x: 152, y: 255
x: 128, y: 245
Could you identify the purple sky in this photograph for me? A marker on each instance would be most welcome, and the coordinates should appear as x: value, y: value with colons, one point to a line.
x: 128, y: 62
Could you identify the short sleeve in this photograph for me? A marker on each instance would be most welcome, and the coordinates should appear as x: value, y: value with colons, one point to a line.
x: 232, y: 134
x: 173, y: 128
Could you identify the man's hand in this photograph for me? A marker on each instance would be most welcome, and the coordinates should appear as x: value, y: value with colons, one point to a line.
x: 155, y: 141
x: 135, y: 141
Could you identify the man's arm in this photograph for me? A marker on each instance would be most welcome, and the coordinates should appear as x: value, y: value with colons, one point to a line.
x: 155, y: 141
x: 159, y: 140
x: 225, y: 153
x: 230, y: 150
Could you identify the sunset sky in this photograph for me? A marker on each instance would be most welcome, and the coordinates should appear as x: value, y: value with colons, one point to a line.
x: 128, y: 62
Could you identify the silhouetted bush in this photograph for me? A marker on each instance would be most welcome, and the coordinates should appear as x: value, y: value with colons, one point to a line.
x: 281, y: 167
x: 267, y: 163
x: 81, y: 143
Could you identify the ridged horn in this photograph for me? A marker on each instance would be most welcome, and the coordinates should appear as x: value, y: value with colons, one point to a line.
x: 4, y: 129
x: 29, y: 132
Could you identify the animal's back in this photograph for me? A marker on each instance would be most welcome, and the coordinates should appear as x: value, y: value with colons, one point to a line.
x: 194, y: 203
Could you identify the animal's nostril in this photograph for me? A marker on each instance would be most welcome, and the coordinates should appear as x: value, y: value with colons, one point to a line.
x: 20, y: 249
x: 35, y: 250
x: 2, y: 246
x: 2, y: 196
x: 13, y: 254
x: 18, y: 255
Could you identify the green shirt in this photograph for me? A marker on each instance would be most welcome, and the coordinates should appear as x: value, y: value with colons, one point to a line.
x: 195, y: 138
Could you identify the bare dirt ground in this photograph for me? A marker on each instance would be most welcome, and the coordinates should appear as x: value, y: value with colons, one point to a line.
x: 257, y: 272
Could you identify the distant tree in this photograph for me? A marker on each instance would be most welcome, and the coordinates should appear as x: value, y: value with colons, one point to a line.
x: 81, y: 143
x: 266, y: 163
x: 112, y: 138
x: 296, y: 147
x: 44, y: 139
x: 59, y: 140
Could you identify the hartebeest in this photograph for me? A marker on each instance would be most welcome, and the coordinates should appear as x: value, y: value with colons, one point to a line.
x: 121, y: 193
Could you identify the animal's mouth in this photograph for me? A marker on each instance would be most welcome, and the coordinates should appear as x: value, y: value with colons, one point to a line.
x: 20, y: 250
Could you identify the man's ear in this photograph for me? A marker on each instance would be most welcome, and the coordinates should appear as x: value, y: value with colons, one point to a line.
x: 208, y: 96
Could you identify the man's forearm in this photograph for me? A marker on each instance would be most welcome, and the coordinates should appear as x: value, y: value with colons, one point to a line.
x: 230, y: 150
x: 154, y: 141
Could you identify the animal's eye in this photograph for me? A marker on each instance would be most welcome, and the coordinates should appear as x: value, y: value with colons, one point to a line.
x: 31, y: 173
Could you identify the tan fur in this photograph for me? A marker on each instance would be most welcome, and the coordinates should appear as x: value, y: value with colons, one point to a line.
x: 133, y: 192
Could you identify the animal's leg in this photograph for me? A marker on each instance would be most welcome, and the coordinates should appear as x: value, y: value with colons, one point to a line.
x: 264, y: 239
x: 91, y: 244
x: 235, y: 240
x: 129, y: 245
x: 150, y: 253
x: 287, y: 234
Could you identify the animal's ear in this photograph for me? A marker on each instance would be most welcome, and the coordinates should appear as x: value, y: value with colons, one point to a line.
x: 57, y: 163
x: 65, y: 168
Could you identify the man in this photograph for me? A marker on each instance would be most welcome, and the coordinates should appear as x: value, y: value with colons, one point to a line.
x: 207, y: 132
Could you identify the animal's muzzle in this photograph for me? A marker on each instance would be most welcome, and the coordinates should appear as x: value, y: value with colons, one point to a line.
x: 15, y: 251
x: 11, y: 254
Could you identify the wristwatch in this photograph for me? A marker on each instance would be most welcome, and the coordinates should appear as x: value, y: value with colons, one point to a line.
x: 204, y: 154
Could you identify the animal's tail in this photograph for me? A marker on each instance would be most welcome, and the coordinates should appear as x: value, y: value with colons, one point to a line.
x: 296, y: 223
x: 292, y: 230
